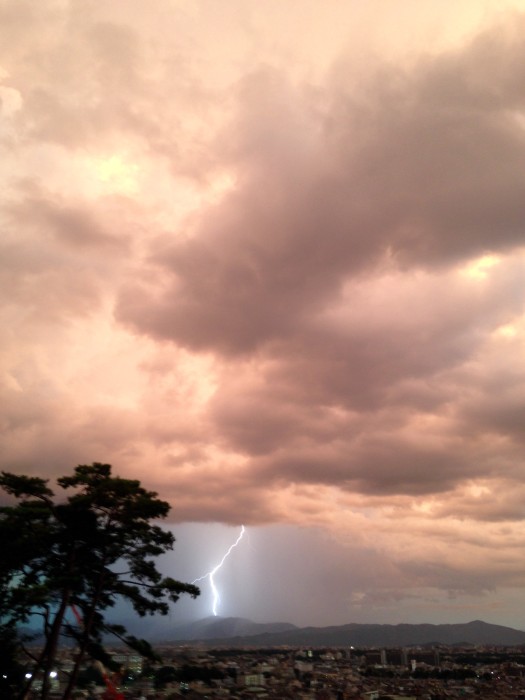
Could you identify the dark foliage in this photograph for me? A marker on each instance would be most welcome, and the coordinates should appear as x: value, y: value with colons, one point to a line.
x: 82, y: 555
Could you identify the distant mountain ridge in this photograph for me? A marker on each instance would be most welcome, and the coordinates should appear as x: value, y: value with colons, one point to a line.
x: 233, y: 631
x: 227, y: 627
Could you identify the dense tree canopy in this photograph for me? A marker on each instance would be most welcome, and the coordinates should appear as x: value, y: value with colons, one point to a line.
x: 81, y: 554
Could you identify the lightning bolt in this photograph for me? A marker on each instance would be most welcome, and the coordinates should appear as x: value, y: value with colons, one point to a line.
x: 211, y: 574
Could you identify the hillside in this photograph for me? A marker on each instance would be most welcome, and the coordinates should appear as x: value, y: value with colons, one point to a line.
x: 241, y: 632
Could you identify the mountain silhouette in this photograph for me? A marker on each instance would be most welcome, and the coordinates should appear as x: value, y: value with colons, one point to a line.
x: 216, y: 627
x: 235, y: 631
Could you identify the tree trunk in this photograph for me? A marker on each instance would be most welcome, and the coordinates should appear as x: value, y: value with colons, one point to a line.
x: 88, y: 623
x: 53, y: 644
x: 47, y: 657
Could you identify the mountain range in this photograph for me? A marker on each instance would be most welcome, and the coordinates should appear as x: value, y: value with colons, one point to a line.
x: 236, y: 632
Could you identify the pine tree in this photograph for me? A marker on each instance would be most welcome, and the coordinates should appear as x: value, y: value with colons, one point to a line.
x: 82, y: 554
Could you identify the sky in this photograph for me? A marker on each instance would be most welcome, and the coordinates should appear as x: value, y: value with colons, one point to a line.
x: 268, y: 257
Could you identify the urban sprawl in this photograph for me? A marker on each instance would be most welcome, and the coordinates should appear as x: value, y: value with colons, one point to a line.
x: 421, y: 673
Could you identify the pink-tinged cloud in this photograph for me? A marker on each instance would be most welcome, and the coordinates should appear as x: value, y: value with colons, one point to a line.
x: 279, y: 281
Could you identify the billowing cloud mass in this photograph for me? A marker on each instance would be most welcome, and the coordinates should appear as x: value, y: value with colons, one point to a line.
x: 269, y: 258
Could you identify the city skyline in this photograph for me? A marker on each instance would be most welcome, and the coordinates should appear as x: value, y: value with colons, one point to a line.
x: 268, y: 258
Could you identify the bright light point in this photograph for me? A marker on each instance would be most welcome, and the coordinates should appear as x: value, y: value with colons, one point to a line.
x: 424, y: 507
x: 10, y: 100
x: 29, y: 675
x: 478, y: 490
x: 211, y: 574
x: 53, y: 674
x: 478, y: 269
x: 220, y: 186
x: 508, y: 331
x: 120, y: 175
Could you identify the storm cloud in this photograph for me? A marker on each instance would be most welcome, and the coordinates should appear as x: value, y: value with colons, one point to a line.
x: 278, y: 279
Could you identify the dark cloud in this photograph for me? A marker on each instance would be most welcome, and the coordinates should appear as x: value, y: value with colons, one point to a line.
x: 75, y: 226
x: 274, y: 292
x: 294, y: 269
x: 500, y: 501
x: 56, y: 256
x: 426, y: 176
